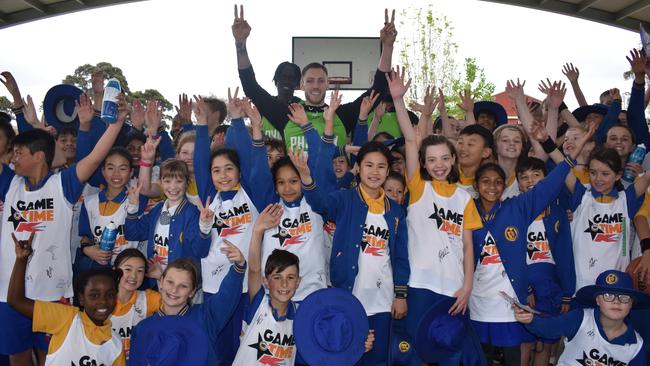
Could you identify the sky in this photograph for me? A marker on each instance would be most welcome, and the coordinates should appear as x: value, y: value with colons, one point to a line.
x: 187, y: 46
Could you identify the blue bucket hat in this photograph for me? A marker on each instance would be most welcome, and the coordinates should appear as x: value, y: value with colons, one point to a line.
x: 401, y: 346
x: 615, y: 282
x: 581, y: 113
x: 169, y: 341
x: 330, y: 328
x: 59, y: 106
x: 441, y: 336
x: 500, y: 115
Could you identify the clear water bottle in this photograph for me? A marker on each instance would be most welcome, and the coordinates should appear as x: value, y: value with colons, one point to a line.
x: 109, y: 104
x: 636, y: 156
x: 107, y: 240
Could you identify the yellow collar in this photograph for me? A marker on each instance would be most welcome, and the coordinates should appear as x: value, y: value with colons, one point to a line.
x: 465, y: 180
x: 94, y: 331
x: 375, y: 205
x: 443, y: 188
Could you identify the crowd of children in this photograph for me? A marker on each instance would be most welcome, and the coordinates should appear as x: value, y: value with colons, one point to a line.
x: 300, y: 232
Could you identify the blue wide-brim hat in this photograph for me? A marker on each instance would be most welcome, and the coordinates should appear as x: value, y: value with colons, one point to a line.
x: 169, y: 341
x: 440, y: 335
x: 614, y: 282
x: 495, y: 108
x: 401, y: 345
x: 59, y: 106
x: 330, y: 328
x: 581, y: 113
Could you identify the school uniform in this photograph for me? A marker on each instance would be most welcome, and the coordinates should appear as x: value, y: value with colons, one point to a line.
x: 171, y: 233
x: 466, y: 183
x: 586, y: 342
x: 549, y: 256
x: 438, y: 214
x: 235, y: 214
x: 125, y: 316
x: 500, y: 252
x: 267, y: 338
x: 369, y: 253
x: 76, y: 340
x: 602, y: 231
x: 98, y: 211
x: 512, y: 188
x: 46, y: 210
x: 210, y: 316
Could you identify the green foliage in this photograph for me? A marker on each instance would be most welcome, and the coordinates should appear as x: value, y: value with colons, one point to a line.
x: 474, y: 80
x: 429, y: 52
x: 83, y: 73
x: 82, y: 79
x: 5, y: 104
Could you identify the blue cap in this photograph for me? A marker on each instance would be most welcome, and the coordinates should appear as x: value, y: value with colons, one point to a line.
x: 401, y: 346
x: 59, y: 106
x: 330, y: 328
x: 169, y: 341
x: 614, y: 282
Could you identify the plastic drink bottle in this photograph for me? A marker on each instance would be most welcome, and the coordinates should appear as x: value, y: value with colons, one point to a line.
x: 109, y: 104
x: 636, y: 156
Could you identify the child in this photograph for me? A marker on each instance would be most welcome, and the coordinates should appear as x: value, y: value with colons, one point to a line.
x: 510, y: 141
x: 78, y: 337
x: 100, y: 209
x: 274, y: 150
x: 602, y: 217
x: 170, y: 228
x: 376, y: 268
x: 395, y: 186
x: 236, y: 206
x: 37, y: 199
x: 474, y: 145
x: 66, y: 139
x: 598, y: 335
x: 500, y: 250
x: 269, y: 316
x: 549, y: 257
x: 300, y: 231
x: 440, y: 220
x: 573, y: 134
x: 132, y: 305
x: 178, y: 285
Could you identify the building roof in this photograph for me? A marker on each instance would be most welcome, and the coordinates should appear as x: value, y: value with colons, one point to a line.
x: 626, y: 14
x: 13, y: 12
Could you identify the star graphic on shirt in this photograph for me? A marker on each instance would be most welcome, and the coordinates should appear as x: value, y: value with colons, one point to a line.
x: 435, y: 216
x: 282, y: 235
x: 484, y: 254
x: 261, y: 347
x: 594, y: 230
x: 531, y: 249
x: 586, y: 361
x: 219, y: 225
x: 16, y: 218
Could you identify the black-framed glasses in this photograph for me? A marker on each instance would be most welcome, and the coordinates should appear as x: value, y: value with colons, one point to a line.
x: 623, y: 299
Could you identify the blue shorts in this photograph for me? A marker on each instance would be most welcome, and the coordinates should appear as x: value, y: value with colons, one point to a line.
x: 16, y: 334
x: 508, y: 334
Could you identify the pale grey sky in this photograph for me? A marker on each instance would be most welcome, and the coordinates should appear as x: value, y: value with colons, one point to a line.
x: 186, y: 46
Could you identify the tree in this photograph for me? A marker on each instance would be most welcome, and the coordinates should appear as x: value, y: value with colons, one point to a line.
x: 5, y: 104
x: 82, y: 79
x: 429, y: 52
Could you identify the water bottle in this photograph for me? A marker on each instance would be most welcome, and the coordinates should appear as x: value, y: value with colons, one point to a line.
x: 637, y: 156
x: 107, y: 240
x: 109, y: 104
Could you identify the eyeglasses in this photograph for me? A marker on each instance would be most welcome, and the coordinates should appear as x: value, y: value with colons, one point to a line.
x: 623, y: 299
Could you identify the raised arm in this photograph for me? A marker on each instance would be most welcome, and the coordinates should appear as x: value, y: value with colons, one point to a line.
x: 269, y: 218
x: 425, y: 123
x: 636, y: 108
x: 398, y: 87
x: 555, y: 97
x: 202, y: 173
x: 16, y: 294
x: 240, y: 31
x: 90, y: 163
x: 572, y: 73
x: 467, y: 105
x: 147, y: 159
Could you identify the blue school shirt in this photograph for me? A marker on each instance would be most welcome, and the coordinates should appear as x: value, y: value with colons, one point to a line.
x: 508, y: 223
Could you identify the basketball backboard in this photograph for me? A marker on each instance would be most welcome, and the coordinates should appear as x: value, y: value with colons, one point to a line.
x: 351, y: 62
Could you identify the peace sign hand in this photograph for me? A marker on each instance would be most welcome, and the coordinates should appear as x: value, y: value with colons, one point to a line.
x: 240, y: 27
x: 207, y: 215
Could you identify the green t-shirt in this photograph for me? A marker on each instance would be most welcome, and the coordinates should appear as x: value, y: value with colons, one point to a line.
x: 387, y: 123
x: 294, y: 138
x: 270, y: 131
